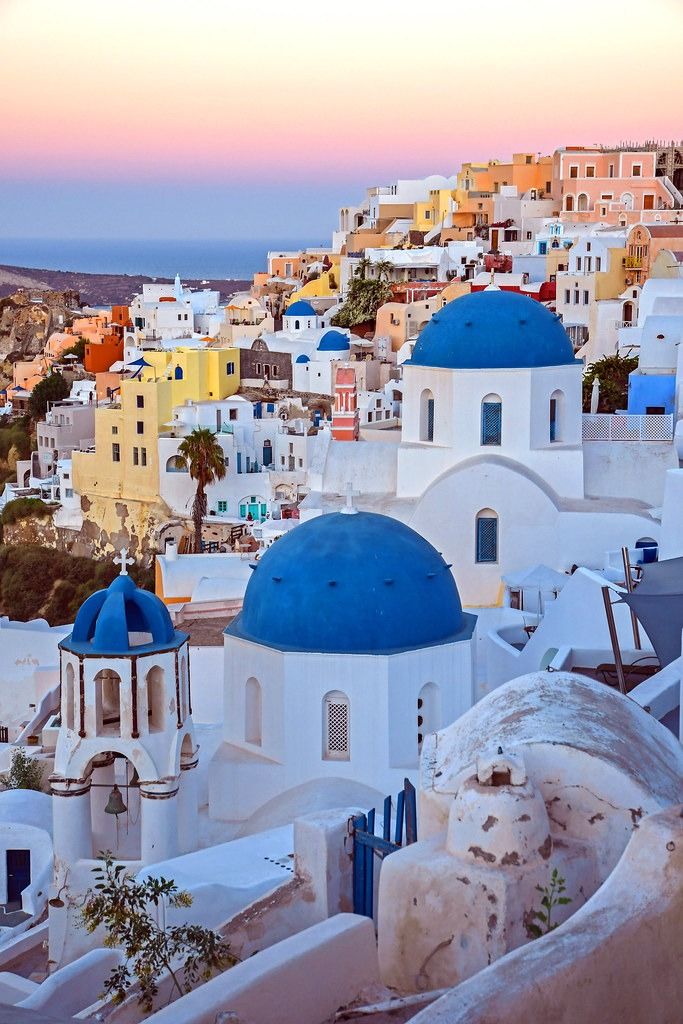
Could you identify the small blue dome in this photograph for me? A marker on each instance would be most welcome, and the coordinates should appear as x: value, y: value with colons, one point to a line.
x: 351, y: 584
x: 334, y: 341
x: 301, y: 308
x: 493, y: 330
x: 302, y: 359
x: 122, y: 620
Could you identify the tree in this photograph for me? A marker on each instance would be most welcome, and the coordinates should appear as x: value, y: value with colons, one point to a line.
x: 25, y: 772
x: 383, y: 269
x: 363, y: 299
x: 189, y: 952
x: 52, y: 388
x: 362, y: 268
x: 612, y: 373
x: 77, y: 349
x: 204, y: 457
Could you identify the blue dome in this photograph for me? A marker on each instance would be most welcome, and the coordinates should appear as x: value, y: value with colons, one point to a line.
x: 493, y: 330
x: 301, y: 308
x: 334, y: 341
x: 302, y: 359
x: 351, y: 584
x: 122, y: 620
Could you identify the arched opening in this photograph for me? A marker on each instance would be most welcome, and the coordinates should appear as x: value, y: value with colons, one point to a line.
x: 156, y: 694
x: 556, y: 416
x: 178, y: 373
x: 69, y: 698
x: 487, y: 536
x: 627, y: 200
x: 118, y: 831
x: 336, y: 727
x: 108, y: 703
x: 176, y: 464
x: 428, y: 712
x: 582, y: 203
x: 426, y: 416
x: 296, y: 325
x: 627, y: 315
x: 253, y: 712
x: 569, y: 203
x: 491, y: 420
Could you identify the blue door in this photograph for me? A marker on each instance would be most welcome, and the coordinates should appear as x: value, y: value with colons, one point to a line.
x: 18, y: 874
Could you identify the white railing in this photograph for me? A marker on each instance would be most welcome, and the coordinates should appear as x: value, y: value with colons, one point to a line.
x: 624, y: 323
x: 625, y: 427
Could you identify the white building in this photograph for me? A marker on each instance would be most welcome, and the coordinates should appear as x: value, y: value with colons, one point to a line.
x: 351, y: 646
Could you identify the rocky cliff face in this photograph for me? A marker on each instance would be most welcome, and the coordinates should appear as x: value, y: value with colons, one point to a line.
x: 28, y: 318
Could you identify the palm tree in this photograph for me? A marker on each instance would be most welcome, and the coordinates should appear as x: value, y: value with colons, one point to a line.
x: 362, y: 268
x: 204, y: 456
x: 383, y: 269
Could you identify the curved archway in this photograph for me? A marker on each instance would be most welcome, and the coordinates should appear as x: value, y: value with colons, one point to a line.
x: 253, y: 712
x: 108, y: 703
x: 491, y: 420
x: 569, y: 203
x: 336, y: 726
x: 176, y: 464
x: 428, y: 712
x: 486, y: 528
x: 627, y: 313
x: 627, y: 200
x: 582, y: 203
x: 556, y: 416
x: 156, y: 699
x: 426, y: 415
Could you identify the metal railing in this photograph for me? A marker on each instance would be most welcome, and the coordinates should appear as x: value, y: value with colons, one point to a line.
x: 627, y: 427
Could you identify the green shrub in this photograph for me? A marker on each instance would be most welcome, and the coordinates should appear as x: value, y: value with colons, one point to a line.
x: 25, y: 772
x: 24, y: 508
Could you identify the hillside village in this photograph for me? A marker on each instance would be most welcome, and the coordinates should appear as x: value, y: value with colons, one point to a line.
x: 380, y: 657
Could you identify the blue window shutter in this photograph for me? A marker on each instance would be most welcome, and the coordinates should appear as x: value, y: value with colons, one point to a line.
x: 430, y: 419
x: 487, y: 539
x: 491, y: 422
x: 553, y: 419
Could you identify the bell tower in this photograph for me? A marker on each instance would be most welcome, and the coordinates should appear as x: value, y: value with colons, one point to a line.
x: 123, y: 777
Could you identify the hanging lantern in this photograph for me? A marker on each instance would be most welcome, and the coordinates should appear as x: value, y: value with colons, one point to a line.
x: 115, y: 804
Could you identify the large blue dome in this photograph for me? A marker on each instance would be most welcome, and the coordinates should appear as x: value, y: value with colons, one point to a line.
x: 493, y: 330
x: 334, y: 341
x: 122, y: 620
x: 351, y: 584
x: 300, y: 308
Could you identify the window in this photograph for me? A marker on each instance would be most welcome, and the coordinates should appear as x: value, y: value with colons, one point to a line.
x: 253, y: 713
x: 590, y: 171
x: 555, y: 418
x: 232, y: 414
x: 143, y: 456
x: 114, y: 430
x: 487, y: 536
x: 569, y: 202
x: 598, y: 263
x: 68, y: 492
x: 116, y: 452
x: 610, y: 173
x: 176, y: 464
x: 573, y: 171
x: 582, y: 203
x: 637, y: 168
x: 607, y: 195
x: 336, y: 745
x: 588, y: 264
x: 578, y: 263
x: 258, y: 369
x: 586, y: 298
x: 230, y: 369
x: 428, y: 712
x: 603, y: 211
x: 140, y: 401
x: 186, y: 315
x: 491, y: 420
x: 136, y: 456
x: 179, y: 316
x: 576, y: 297
x: 588, y: 246
x: 156, y: 699
x: 140, y: 427
x: 648, y: 201
x: 426, y: 416
x: 222, y: 506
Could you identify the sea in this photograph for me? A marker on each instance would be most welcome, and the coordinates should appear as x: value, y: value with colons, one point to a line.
x: 196, y: 259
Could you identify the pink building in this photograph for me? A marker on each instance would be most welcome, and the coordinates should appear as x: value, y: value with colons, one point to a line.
x: 345, y: 415
x: 612, y: 186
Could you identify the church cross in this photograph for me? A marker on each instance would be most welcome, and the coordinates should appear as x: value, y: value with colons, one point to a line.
x: 124, y: 561
x: 349, y: 509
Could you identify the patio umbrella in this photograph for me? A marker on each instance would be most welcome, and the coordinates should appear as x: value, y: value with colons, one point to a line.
x: 658, y: 603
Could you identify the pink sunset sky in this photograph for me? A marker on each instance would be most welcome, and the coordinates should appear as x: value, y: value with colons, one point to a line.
x: 118, y: 114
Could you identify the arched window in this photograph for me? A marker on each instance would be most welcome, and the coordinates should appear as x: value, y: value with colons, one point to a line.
x: 487, y: 536
x: 253, y: 712
x: 176, y: 464
x: 556, y: 416
x: 569, y: 203
x: 156, y: 699
x: 178, y: 373
x: 336, y: 727
x: 69, y: 698
x: 627, y: 200
x: 426, y: 416
x: 491, y: 420
x: 428, y: 712
x: 582, y: 202
x: 296, y: 325
x: 108, y: 703
x: 627, y: 314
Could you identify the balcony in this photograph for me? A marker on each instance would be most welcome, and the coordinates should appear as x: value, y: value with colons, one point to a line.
x: 626, y: 427
x: 633, y: 262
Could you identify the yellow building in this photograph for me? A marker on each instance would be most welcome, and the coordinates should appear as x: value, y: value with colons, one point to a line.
x: 119, y: 481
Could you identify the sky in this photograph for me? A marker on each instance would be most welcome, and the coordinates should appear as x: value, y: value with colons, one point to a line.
x: 229, y: 119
